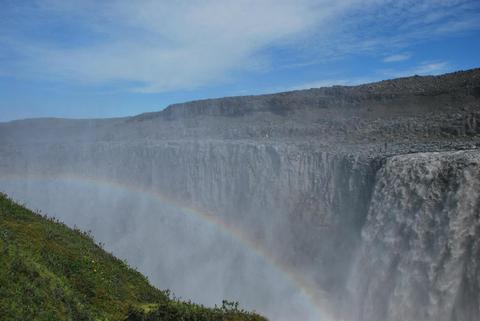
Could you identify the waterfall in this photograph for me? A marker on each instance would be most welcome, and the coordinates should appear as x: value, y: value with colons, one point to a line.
x: 421, y: 242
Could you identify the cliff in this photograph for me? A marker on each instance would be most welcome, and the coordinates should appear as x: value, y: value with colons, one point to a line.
x: 344, y: 186
x: 421, y: 240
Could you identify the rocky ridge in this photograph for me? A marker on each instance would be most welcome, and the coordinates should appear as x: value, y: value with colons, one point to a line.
x: 314, y: 176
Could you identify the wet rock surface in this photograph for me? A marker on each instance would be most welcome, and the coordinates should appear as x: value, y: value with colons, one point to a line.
x: 344, y: 185
x: 421, y: 241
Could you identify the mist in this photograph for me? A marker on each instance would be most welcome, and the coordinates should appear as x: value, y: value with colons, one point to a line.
x: 344, y: 203
x: 176, y: 250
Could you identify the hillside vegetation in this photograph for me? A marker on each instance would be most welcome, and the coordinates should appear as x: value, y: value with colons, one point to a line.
x: 51, y: 272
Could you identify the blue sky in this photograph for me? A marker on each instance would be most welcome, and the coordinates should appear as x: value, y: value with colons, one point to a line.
x: 89, y: 58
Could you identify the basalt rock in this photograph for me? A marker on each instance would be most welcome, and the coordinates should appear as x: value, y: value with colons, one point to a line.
x: 371, y: 192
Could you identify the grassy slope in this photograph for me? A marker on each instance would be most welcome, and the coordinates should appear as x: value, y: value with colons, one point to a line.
x: 50, y: 272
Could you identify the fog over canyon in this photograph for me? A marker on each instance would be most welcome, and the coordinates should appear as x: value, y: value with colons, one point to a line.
x: 341, y: 203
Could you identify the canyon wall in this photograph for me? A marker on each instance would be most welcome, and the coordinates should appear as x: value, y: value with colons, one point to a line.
x: 370, y: 195
x: 421, y: 241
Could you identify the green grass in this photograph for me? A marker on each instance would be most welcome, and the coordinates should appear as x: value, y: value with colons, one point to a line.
x: 51, y: 272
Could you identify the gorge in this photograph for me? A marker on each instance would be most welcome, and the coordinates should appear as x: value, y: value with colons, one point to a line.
x: 353, y: 203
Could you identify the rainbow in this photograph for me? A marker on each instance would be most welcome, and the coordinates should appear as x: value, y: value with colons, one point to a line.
x: 298, y: 282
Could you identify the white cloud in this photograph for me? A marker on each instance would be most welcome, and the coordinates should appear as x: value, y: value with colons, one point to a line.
x: 330, y: 82
x: 156, y: 46
x: 162, y: 45
x: 422, y: 69
x: 431, y: 68
x: 426, y: 68
x: 396, y: 58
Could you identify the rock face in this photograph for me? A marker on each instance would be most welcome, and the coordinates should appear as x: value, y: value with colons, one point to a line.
x: 421, y: 241
x: 370, y: 193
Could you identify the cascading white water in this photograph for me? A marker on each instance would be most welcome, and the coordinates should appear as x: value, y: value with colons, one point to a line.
x: 295, y: 173
x: 421, y: 242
